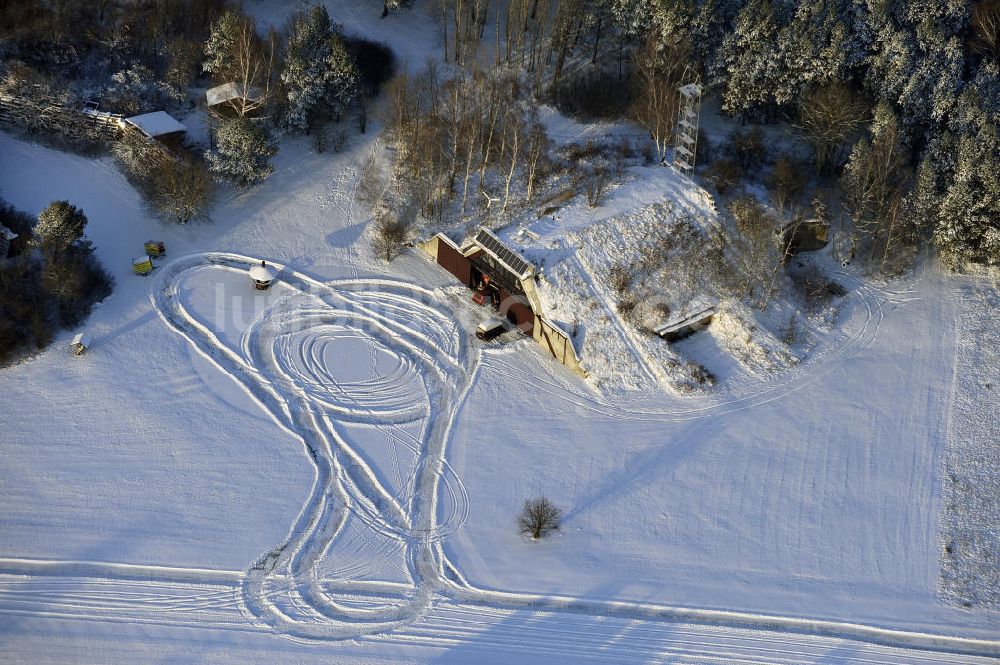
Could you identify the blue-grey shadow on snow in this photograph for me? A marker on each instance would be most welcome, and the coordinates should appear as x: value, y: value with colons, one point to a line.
x: 680, y: 442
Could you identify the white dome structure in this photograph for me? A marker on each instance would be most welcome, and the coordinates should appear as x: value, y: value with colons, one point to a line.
x: 263, y: 275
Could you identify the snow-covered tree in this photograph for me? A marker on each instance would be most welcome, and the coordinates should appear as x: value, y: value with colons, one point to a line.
x: 917, y: 59
x: 60, y: 226
x: 181, y: 189
x: 666, y: 21
x: 235, y: 53
x: 132, y: 91
x: 221, y: 46
x: 319, y: 73
x: 243, y: 152
x: 748, y: 60
x: 969, y: 221
x: 392, y: 5
x: 875, y: 181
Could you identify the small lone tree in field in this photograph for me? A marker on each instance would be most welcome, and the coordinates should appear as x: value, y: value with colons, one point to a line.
x: 389, y: 236
x: 539, y: 517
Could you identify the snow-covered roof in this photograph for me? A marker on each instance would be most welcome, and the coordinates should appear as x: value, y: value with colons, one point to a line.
x: 696, y: 311
x: 263, y: 273
x: 7, y: 233
x: 507, y: 257
x: 226, y: 92
x: 140, y: 259
x: 81, y: 338
x: 157, y: 123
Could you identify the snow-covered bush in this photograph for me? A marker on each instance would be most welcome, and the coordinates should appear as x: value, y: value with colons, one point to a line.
x: 243, y: 152
x: 181, y: 189
x: 133, y: 91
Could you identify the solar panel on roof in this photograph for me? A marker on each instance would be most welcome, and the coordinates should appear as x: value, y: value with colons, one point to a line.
x: 510, y: 258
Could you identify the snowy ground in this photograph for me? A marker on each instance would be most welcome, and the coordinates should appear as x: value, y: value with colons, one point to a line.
x: 970, y: 530
x: 814, y: 495
x: 330, y: 471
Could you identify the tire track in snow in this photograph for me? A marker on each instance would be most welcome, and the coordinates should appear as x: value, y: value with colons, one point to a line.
x: 331, y: 496
x: 283, y: 592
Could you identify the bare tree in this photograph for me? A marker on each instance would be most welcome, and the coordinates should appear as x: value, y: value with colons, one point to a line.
x: 389, y: 236
x: 755, y: 250
x: 985, y: 23
x: 181, y: 188
x: 875, y: 182
x: 786, y: 182
x: 829, y: 117
x: 539, y: 518
x: 254, y: 67
x: 660, y: 69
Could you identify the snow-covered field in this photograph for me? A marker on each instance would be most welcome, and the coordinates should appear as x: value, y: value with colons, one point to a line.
x: 330, y: 471
x: 172, y: 464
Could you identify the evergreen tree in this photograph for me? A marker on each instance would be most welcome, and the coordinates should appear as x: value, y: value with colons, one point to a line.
x: 221, y: 45
x: 60, y: 226
x: 923, y: 203
x: 319, y: 73
x: 748, y: 59
x: 243, y: 152
x: 969, y: 222
x: 917, y: 60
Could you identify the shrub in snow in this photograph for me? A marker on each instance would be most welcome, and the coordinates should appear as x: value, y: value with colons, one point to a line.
x: 746, y: 147
x: 243, y: 152
x: 138, y: 157
x: 133, y: 91
x: 539, y: 518
x: 319, y: 74
x: 181, y: 189
x: 389, y: 236
x: 724, y: 174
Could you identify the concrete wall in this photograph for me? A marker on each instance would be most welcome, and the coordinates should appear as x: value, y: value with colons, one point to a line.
x: 558, y: 344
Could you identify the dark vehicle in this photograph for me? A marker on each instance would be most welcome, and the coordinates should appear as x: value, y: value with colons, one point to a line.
x: 491, y: 328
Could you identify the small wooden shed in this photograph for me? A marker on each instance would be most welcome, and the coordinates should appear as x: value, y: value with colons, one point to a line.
x: 142, y: 265
x: 80, y: 343
x: 159, y: 126
x: 229, y: 99
x: 263, y: 276
x: 155, y: 248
